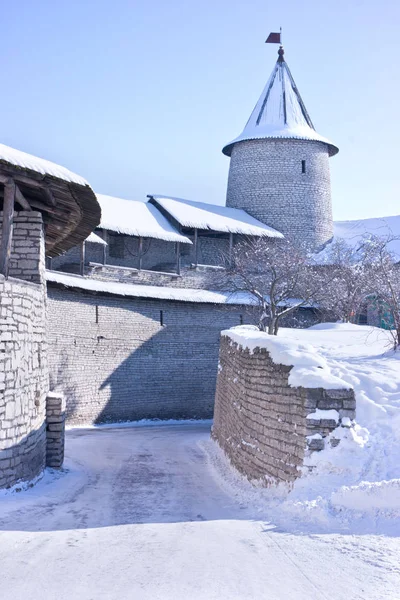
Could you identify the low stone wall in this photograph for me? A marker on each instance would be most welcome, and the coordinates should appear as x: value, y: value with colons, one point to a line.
x: 261, y: 422
x: 55, y: 429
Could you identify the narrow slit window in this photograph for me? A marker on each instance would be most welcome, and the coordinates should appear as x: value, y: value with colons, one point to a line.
x: 161, y: 318
x: 303, y: 166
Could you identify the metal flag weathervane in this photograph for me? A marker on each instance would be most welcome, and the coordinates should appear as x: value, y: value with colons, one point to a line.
x: 274, y: 38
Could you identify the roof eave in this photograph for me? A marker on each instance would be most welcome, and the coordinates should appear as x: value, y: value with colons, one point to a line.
x: 227, y: 150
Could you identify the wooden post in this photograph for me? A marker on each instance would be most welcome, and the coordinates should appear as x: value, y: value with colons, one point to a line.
x: 7, y: 227
x: 105, y: 238
x: 196, y: 248
x: 230, y: 247
x: 140, y: 252
x: 83, y: 252
x: 178, y: 258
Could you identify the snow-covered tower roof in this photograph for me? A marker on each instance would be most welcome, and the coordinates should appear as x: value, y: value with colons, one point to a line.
x: 280, y: 112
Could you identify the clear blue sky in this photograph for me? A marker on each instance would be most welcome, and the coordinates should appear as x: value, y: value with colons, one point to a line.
x: 139, y: 97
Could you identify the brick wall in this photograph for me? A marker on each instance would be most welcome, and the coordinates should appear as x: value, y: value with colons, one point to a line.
x: 261, y: 422
x: 266, y: 180
x: 23, y: 356
x: 114, y: 360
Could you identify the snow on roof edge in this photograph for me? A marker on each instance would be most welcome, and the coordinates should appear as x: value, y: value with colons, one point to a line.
x: 23, y: 160
x: 93, y: 238
x: 139, y: 219
x: 235, y: 220
x: 148, y: 291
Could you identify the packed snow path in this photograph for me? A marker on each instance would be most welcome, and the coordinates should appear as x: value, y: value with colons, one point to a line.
x: 140, y: 514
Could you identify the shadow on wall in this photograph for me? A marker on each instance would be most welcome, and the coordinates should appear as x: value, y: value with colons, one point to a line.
x: 167, y: 377
x: 24, y: 460
x: 119, y: 359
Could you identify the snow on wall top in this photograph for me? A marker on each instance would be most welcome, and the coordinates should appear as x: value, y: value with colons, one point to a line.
x: 95, y: 239
x: 310, y: 369
x: 136, y: 218
x: 201, y: 215
x: 280, y: 113
x: 149, y: 291
x: 20, y: 159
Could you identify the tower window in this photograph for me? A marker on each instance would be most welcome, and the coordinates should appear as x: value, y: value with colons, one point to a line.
x: 303, y: 166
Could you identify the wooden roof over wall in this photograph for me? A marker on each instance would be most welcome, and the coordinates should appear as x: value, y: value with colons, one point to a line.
x: 70, y: 209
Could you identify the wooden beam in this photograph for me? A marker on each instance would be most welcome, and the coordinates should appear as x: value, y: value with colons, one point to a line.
x: 42, y: 206
x: 82, y: 262
x: 7, y: 227
x: 140, y: 252
x: 178, y: 258
x: 49, y: 195
x: 20, y: 198
x: 196, y: 248
x: 105, y: 249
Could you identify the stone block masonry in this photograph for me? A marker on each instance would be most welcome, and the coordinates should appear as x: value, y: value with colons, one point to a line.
x: 27, y: 250
x: 23, y: 380
x: 264, y: 425
x: 118, y: 359
x: 24, y: 377
x: 266, y: 179
x: 55, y: 429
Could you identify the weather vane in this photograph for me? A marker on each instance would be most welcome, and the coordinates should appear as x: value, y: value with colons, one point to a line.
x: 276, y: 38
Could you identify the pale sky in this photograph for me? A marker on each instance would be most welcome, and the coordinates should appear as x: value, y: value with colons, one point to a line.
x: 139, y: 97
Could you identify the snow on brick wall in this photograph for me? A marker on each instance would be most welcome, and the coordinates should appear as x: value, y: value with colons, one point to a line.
x: 23, y: 357
x: 260, y: 421
x: 266, y: 180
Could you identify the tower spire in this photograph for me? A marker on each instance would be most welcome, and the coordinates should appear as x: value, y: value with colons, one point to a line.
x: 280, y: 111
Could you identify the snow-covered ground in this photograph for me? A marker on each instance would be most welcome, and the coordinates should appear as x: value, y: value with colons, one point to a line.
x: 157, y: 512
x: 144, y: 512
x: 356, y: 486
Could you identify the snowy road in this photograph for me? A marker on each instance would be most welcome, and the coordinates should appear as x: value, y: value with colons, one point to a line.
x: 141, y: 515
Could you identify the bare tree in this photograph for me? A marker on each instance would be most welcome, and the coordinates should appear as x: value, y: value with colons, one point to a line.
x: 277, y: 274
x: 385, y: 283
x: 347, y: 274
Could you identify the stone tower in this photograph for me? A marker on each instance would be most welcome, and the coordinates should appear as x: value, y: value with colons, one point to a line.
x: 279, y: 170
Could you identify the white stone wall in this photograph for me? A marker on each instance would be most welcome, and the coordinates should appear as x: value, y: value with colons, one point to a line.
x: 266, y: 180
x: 23, y: 356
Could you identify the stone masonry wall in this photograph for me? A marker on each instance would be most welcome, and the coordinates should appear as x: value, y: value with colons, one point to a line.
x: 266, y: 180
x: 27, y: 250
x: 261, y: 422
x: 23, y: 381
x: 118, y: 358
x: 23, y: 355
x: 55, y: 429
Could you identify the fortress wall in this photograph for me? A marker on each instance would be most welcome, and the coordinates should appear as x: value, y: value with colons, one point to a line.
x: 118, y: 358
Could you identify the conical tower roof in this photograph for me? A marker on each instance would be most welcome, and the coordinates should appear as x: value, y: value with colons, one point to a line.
x: 280, y: 112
